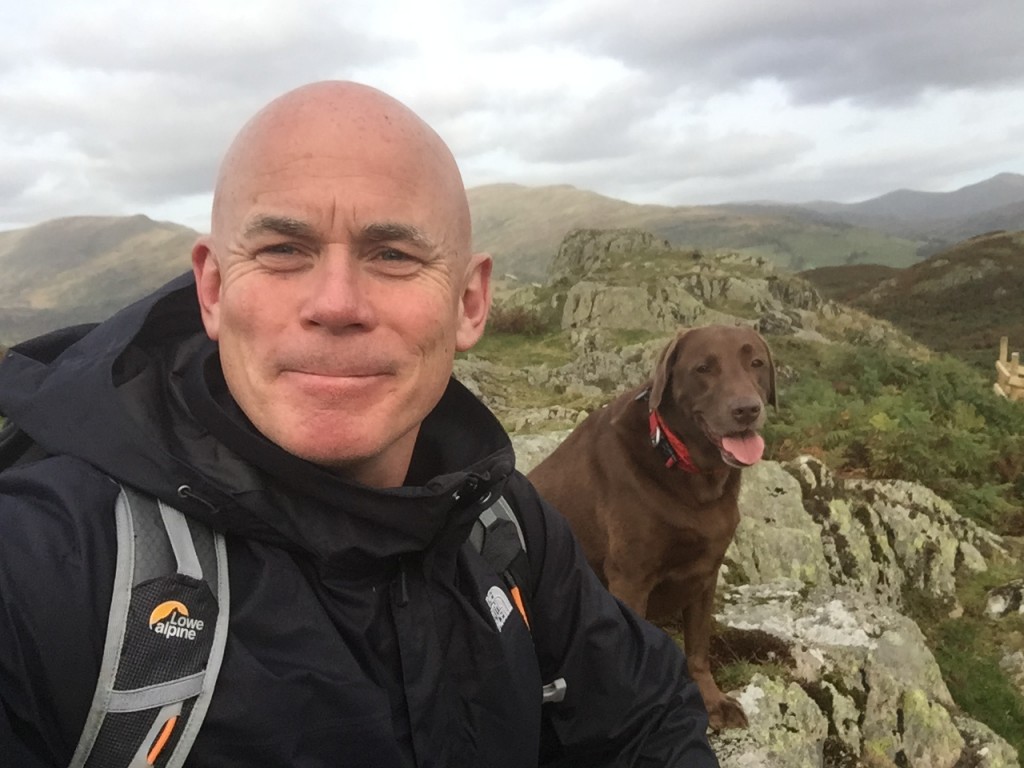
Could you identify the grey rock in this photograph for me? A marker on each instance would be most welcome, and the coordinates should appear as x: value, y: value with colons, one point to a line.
x: 886, y: 536
x: 532, y: 449
x: 983, y: 747
x: 930, y: 738
x: 787, y: 729
x: 1005, y: 599
x: 776, y: 538
x: 858, y: 651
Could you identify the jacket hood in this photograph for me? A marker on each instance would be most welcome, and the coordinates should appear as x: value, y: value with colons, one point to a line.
x: 141, y: 397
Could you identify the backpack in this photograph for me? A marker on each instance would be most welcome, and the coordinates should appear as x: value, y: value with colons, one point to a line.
x: 150, y: 704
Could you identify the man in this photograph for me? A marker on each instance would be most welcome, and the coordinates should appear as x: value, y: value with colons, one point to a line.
x: 304, y: 407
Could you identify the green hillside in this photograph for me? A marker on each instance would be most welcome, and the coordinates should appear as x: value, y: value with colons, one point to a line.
x: 84, y: 268
x: 960, y: 301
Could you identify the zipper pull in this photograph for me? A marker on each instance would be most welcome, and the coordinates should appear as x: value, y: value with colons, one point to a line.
x: 185, y: 492
x: 402, y: 584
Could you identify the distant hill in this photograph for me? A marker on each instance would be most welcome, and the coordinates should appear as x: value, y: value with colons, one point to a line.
x: 996, y: 203
x: 82, y: 269
x: 523, y: 226
x: 959, y: 301
x: 906, y: 204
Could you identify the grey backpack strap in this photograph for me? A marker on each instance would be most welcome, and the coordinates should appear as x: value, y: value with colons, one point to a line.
x: 498, y: 537
x: 166, y: 633
x: 486, y: 521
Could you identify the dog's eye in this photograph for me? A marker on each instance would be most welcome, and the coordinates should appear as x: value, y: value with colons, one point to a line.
x: 757, y: 362
x: 703, y: 368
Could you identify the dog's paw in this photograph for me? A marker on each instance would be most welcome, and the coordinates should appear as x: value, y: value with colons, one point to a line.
x: 727, y: 713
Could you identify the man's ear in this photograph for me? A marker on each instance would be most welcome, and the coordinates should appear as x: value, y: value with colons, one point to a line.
x: 475, y: 302
x: 207, y: 274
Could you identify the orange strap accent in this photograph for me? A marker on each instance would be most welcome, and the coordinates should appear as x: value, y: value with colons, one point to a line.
x: 161, y: 740
x: 519, y: 604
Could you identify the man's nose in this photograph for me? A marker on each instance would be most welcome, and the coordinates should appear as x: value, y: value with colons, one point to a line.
x: 336, y: 293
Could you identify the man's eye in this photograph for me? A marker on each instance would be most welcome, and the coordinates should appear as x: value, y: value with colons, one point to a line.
x: 282, y: 257
x: 395, y: 263
x: 390, y: 254
x: 279, y: 249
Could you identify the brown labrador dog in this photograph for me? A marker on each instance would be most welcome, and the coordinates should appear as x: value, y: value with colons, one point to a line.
x: 649, y: 484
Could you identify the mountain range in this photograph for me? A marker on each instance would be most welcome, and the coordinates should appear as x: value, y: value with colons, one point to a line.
x: 522, y: 226
x: 83, y: 268
x: 999, y: 201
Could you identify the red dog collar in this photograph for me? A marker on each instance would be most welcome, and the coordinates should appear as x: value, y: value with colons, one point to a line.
x: 676, y: 453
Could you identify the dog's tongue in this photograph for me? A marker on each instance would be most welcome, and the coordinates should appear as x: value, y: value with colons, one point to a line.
x: 746, y: 449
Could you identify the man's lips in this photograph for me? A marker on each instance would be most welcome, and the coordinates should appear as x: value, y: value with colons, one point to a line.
x: 341, y: 374
x: 349, y: 367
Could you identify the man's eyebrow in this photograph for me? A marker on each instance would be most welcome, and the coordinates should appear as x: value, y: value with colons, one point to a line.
x: 282, y: 225
x: 387, y: 230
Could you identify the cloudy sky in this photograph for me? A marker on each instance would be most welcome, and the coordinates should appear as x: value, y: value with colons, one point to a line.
x: 115, y: 107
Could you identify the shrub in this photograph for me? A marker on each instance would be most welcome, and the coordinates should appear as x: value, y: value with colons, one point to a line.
x: 518, y: 320
x: 879, y: 415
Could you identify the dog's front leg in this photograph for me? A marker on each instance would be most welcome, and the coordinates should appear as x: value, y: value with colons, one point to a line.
x: 628, y: 587
x: 723, y: 711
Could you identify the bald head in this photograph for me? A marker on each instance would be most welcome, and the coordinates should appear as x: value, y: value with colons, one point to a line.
x: 337, y: 127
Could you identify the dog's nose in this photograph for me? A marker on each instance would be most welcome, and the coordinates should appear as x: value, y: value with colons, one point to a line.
x: 746, y: 411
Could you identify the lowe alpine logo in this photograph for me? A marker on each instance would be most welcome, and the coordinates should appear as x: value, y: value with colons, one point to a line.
x: 171, y: 619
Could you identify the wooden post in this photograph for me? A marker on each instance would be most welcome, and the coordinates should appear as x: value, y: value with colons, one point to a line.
x: 1009, y: 382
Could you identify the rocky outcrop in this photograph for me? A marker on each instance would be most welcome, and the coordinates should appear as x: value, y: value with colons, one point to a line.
x: 588, y: 251
x: 822, y: 565
x: 866, y: 667
x: 630, y: 280
x: 879, y: 537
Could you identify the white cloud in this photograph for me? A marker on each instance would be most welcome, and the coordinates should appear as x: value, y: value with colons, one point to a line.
x: 117, y: 107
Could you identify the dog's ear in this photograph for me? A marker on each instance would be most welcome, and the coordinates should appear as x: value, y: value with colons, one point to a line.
x: 663, y: 371
x: 773, y: 397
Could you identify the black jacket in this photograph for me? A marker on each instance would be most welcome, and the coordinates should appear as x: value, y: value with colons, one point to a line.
x: 359, y: 634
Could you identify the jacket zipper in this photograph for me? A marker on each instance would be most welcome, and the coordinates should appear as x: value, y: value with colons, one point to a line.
x: 402, y: 585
